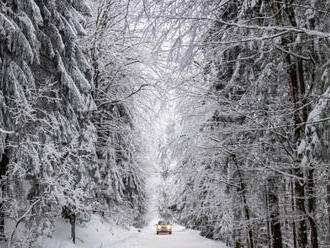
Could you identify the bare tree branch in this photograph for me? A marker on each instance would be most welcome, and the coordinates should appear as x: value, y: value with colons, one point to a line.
x: 130, y: 95
x: 20, y: 220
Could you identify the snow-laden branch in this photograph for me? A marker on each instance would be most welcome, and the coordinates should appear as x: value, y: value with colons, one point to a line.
x: 293, y: 54
x: 257, y: 27
x: 253, y: 38
x: 6, y: 131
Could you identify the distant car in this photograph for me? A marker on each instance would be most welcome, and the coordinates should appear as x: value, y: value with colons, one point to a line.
x: 163, y: 227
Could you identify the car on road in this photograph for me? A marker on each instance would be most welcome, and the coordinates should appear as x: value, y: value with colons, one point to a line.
x: 163, y: 227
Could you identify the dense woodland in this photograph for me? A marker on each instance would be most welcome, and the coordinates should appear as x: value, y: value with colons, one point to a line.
x: 68, y: 142
x: 252, y: 147
x: 246, y: 157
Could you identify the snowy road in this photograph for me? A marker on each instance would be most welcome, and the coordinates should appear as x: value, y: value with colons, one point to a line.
x: 101, y: 234
x: 179, y: 239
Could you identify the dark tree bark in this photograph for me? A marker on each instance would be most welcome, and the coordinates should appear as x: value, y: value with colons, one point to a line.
x: 73, y: 227
x: 268, y: 221
x: 302, y: 88
x: 291, y: 70
x: 247, y: 215
x: 237, y: 235
x: 275, y: 222
x: 328, y: 203
x: 294, y: 235
x: 310, y: 173
x: 238, y: 244
x: 3, y: 171
x: 242, y: 190
x: 68, y: 214
x: 300, y: 209
x: 300, y: 71
x: 312, y: 207
x: 292, y: 74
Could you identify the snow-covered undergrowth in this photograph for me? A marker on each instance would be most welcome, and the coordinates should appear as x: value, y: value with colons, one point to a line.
x: 98, y: 233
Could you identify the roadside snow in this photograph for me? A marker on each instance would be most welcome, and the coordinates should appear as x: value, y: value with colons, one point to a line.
x: 102, y: 234
x: 98, y: 233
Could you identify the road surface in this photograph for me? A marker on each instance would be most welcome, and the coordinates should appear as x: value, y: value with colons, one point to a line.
x: 180, y: 238
x: 99, y: 233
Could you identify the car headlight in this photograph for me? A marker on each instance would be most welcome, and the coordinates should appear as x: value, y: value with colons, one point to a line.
x: 159, y: 227
x: 168, y: 226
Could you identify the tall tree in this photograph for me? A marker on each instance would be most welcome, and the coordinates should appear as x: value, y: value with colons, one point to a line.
x: 251, y: 71
x: 45, y: 103
x: 114, y: 47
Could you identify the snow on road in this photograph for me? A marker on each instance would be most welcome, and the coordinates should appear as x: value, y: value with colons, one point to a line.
x: 179, y: 239
x: 102, y: 234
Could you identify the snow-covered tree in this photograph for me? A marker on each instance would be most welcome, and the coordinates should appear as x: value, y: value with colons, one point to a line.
x: 115, y: 53
x: 252, y: 71
x: 46, y: 133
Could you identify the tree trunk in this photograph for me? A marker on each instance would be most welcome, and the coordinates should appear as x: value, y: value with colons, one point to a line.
x: 294, y: 235
x: 247, y: 216
x: 73, y: 227
x: 275, y: 222
x: 293, y: 86
x: 300, y: 70
x: 291, y: 70
x: 310, y: 173
x: 300, y: 209
x: 68, y: 214
x: 328, y: 203
x: 302, y: 88
x: 238, y: 244
x: 304, y: 107
x: 312, y: 207
x: 3, y: 171
x: 269, y: 237
x: 245, y: 206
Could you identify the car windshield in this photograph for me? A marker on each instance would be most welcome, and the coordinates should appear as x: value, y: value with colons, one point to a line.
x: 162, y: 222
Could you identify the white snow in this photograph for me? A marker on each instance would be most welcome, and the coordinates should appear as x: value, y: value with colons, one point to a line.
x: 180, y: 238
x: 100, y: 233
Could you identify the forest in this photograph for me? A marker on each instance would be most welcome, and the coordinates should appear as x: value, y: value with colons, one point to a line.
x: 228, y: 99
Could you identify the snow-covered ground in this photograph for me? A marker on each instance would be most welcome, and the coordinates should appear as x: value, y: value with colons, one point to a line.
x: 101, y: 234
x: 180, y: 238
